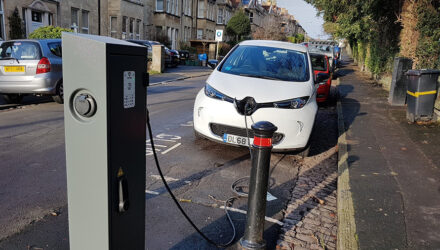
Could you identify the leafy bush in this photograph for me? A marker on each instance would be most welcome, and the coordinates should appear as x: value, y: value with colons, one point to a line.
x: 48, y: 32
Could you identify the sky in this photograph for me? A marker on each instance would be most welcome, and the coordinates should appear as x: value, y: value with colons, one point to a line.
x: 306, y: 15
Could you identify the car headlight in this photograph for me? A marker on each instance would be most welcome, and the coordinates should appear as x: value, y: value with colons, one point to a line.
x: 213, y: 93
x: 295, y: 103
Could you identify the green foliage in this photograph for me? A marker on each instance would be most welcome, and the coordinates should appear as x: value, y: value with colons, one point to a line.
x: 48, y: 32
x: 297, y: 38
x: 15, y: 26
x: 428, y: 48
x: 239, y: 26
x: 371, y: 28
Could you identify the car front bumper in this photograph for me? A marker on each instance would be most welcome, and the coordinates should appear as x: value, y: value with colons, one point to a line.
x: 294, y: 124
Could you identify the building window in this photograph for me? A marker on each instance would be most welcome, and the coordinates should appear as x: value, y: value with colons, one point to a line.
x: 113, y: 26
x: 177, y: 7
x: 251, y: 17
x: 124, y: 27
x: 159, y: 5
x: 131, y: 27
x: 199, y: 34
x: 85, y: 22
x: 168, y: 6
x: 220, y: 16
x: 37, y: 17
x: 201, y: 9
x: 74, y: 21
x: 51, y: 19
x: 138, y: 29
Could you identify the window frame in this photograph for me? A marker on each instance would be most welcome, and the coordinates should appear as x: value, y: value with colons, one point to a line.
x: 73, y: 10
x: 83, y: 28
x: 160, y: 10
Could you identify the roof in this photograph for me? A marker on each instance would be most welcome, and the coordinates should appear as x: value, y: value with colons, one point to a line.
x: 276, y: 44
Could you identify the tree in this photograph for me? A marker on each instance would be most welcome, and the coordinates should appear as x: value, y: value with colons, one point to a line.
x: 239, y: 26
x: 48, y: 32
x: 15, y: 25
x: 270, y: 30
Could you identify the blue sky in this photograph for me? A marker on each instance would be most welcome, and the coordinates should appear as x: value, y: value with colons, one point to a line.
x: 306, y: 15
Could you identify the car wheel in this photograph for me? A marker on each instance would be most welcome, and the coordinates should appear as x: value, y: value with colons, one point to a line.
x: 13, y: 98
x: 59, y: 96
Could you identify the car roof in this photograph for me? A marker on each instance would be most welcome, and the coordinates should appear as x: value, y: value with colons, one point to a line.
x: 275, y: 44
x: 34, y: 40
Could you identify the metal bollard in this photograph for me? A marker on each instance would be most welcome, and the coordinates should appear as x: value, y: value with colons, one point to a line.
x: 261, y: 150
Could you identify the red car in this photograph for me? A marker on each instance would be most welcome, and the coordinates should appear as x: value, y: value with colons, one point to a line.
x: 320, y: 64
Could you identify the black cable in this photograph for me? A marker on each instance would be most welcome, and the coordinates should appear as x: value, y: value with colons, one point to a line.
x: 227, y: 202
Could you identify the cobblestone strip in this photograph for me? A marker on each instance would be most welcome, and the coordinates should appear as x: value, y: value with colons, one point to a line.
x: 310, y: 220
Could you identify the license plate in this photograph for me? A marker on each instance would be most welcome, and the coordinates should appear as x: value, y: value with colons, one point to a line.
x: 14, y: 68
x: 235, y: 139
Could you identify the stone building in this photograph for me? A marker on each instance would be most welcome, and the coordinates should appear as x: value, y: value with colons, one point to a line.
x: 225, y: 10
x: 174, y: 20
x: 206, y: 19
x: 34, y: 14
x: 123, y: 19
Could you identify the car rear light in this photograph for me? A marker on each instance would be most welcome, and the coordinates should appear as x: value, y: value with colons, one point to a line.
x: 43, y: 66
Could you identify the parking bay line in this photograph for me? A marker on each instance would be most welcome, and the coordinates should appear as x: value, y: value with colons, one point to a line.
x: 173, y: 147
x: 269, y: 219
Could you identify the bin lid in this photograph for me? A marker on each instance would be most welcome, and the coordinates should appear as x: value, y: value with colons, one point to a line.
x: 419, y: 72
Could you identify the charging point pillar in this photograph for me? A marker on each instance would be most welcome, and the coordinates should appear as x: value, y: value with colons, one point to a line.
x: 105, y: 83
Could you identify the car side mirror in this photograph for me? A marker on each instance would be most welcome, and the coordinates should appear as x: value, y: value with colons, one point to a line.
x: 321, y: 77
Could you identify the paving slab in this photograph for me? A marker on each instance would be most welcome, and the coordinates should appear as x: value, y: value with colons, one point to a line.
x: 393, y: 168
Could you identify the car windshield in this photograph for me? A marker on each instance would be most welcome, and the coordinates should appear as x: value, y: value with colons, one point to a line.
x: 267, y: 63
x: 318, y: 62
x: 20, y: 50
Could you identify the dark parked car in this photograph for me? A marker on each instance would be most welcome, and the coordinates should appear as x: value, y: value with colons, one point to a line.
x: 171, y: 56
x: 31, y: 67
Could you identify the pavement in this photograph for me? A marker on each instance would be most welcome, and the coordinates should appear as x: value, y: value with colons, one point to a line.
x: 181, y: 72
x: 388, y: 171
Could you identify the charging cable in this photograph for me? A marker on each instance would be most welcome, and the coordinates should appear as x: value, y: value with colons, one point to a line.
x: 227, y: 202
x: 235, y: 187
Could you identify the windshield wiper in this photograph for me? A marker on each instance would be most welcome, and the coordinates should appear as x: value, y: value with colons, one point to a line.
x: 262, y: 77
x: 10, y: 58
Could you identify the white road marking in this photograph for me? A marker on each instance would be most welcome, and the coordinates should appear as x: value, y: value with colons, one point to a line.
x: 187, y: 124
x: 270, y: 197
x: 151, y: 192
x: 167, y: 178
x: 173, y: 147
x: 245, y: 212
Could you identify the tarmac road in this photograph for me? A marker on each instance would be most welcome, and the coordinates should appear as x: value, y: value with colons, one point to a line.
x: 33, y: 183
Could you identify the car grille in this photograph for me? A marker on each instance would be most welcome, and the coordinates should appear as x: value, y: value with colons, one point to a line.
x: 219, y: 129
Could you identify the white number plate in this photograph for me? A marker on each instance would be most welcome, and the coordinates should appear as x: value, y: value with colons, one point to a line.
x: 235, y: 139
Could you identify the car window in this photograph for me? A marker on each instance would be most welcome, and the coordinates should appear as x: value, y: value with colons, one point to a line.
x: 20, y: 50
x: 318, y: 63
x: 267, y: 62
x: 55, y: 48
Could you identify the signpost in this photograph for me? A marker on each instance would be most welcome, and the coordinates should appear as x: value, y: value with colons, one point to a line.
x: 218, y: 38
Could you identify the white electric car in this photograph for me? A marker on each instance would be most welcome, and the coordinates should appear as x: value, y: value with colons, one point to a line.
x: 260, y: 81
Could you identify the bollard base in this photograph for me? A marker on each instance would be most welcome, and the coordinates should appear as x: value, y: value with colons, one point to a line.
x: 245, y: 244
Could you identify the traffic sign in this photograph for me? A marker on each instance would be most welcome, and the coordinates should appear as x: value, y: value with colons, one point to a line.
x: 219, y: 35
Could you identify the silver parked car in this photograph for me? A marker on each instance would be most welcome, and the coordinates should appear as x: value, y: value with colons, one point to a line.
x: 31, y: 67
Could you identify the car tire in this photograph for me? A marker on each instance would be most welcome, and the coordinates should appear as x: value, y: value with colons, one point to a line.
x: 13, y: 98
x: 59, y: 96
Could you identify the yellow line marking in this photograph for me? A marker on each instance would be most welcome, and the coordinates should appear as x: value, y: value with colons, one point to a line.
x: 417, y: 94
